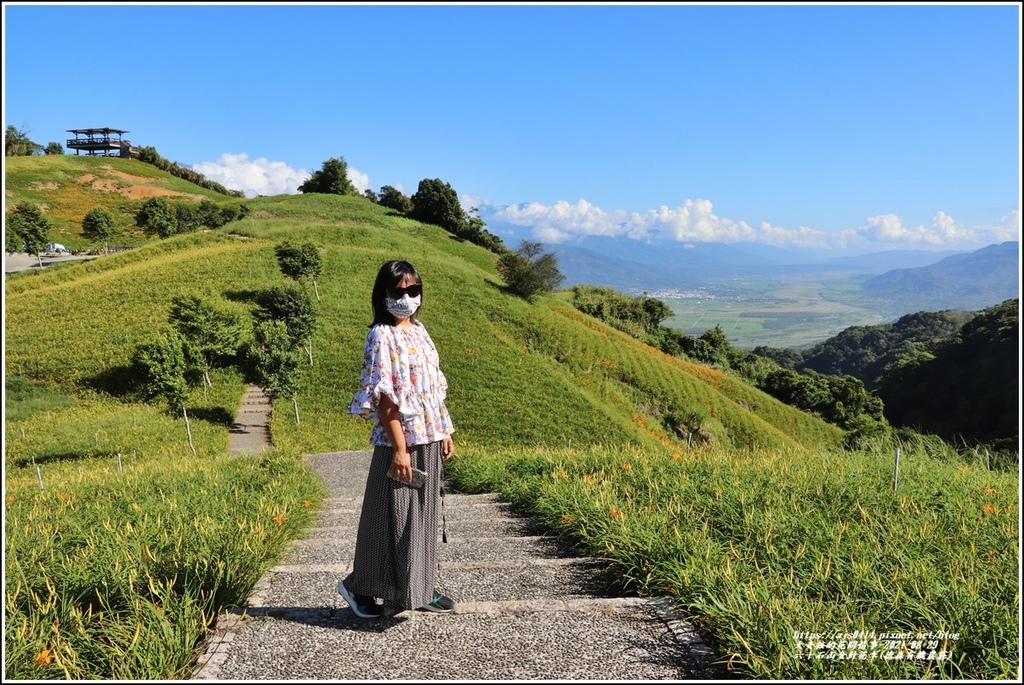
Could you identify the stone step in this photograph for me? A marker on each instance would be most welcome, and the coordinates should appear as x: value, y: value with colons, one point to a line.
x: 470, y: 584
x: 593, y: 641
x: 529, y: 608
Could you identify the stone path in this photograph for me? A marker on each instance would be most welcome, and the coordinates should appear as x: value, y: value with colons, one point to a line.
x: 250, y: 434
x: 529, y: 607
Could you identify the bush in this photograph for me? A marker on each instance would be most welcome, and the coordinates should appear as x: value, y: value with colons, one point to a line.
x: 528, y: 273
x: 332, y: 178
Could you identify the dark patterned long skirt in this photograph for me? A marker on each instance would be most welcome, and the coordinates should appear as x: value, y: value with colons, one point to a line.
x: 396, y: 546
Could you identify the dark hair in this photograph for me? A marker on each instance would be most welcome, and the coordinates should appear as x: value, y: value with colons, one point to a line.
x: 390, y: 275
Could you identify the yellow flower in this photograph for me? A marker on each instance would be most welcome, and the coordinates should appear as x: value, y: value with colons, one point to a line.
x: 989, y: 490
x: 43, y: 657
x: 677, y: 456
x: 626, y: 466
x: 280, y: 519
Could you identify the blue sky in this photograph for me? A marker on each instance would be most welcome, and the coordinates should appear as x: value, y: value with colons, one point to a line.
x: 852, y: 127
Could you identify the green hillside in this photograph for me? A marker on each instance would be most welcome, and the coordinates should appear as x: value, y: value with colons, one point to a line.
x: 66, y: 187
x: 520, y: 374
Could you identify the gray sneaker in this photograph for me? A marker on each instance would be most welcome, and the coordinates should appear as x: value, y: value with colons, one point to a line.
x: 363, y: 606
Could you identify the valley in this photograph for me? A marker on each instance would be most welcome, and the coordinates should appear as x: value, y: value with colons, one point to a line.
x: 792, y: 311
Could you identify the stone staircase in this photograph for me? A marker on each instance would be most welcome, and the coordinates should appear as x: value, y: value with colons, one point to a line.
x: 528, y: 609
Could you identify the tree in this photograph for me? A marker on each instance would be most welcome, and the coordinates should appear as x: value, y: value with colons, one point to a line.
x: 54, y: 148
x: 18, y: 144
x: 291, y: 305
x: 528, y: 272
x: 210, y: 215
x: 98, y: 225
x: 212, y: 330
x: 272, y: 362
x: 300, y: 261
x: 473, y: 230
x: 162, y: 368
x: 157, y: 216
x: 29, y: 230
x: 436, y: 202
x: 392, y: 198
x: 717, y: 342
x: 332, y: 178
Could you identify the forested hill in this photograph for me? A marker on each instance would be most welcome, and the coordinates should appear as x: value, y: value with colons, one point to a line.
x: 949, y: 373
x: 969, y: 388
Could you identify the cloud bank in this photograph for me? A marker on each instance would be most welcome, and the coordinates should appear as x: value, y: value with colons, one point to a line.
x: 262, y: 177
x: 694, y: 221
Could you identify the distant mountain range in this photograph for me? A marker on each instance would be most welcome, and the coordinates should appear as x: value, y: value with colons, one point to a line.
x: 919, y: 279
x: 975, y: 280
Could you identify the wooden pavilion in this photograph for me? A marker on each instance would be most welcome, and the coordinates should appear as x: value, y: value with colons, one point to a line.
x: 100, y: 141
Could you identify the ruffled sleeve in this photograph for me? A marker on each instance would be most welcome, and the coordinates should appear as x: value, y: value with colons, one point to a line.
x: 381, y: 375
x: 401, y: 363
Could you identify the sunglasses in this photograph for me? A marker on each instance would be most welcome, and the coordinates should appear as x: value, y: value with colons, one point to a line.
x: 411, y: 291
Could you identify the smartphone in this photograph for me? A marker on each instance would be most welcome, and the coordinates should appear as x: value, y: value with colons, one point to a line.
x: 418, y: 478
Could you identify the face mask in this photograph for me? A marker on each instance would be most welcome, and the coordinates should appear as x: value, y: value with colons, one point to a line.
x: 404, y: 307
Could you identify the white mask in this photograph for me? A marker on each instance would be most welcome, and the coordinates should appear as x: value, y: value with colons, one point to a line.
x: 404, y: 307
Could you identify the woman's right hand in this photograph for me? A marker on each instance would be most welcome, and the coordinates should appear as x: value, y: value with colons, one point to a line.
x: 401, y: 466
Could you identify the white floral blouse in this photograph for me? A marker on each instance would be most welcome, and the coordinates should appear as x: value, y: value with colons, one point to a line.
x: 401, y: 362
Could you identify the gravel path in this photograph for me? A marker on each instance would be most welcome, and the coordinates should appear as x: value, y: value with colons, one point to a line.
x: 529, y: 607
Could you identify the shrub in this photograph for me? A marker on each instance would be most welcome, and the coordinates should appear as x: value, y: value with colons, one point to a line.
x: 528, y: 273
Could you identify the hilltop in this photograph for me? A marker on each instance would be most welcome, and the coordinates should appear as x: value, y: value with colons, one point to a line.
x: 520, y: 373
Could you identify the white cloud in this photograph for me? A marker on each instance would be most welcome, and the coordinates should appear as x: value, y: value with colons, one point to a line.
x: 692, y: 222
x: 360, y: 180
x: 262, y: 177
x: 563, y: 220
x: 253, y: 176
x: 695, y: 222
x: 942, y: 232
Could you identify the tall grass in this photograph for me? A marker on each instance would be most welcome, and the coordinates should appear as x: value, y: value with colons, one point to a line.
x: 116, y: 572
x: 760, y: 546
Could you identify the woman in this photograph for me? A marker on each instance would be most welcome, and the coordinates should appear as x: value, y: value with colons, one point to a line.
x: 402, y: 390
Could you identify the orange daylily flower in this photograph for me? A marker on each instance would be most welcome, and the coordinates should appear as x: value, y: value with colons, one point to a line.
x: 43, y: 657
x: 307, y: 503
x: 280, y: 519
x: 626, y: 466
x: 990, y: 508
x: 566, y: 520
x: 677, y: 456
x: 615, y: 513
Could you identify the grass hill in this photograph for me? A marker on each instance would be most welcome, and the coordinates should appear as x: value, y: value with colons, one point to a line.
x: 520, y: 374
x: 66, y: 187
x: 120, y: 545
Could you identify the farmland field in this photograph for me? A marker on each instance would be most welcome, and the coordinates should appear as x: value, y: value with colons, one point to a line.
x: 790, y: 311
